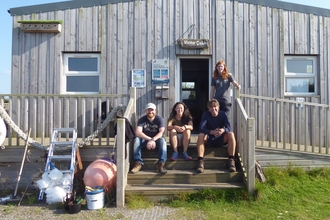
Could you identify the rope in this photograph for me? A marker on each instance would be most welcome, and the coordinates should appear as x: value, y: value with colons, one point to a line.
x: 99, y: 129
x: 22, y: 135
x: 19, y: 132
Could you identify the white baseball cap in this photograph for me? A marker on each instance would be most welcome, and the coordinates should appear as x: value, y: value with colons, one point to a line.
x: 151, y: 105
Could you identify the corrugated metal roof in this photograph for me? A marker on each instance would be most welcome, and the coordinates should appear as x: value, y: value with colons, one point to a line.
x: 89, y: 3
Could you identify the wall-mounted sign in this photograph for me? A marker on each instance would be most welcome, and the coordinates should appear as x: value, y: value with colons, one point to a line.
x: 139, y: 78
x: 194, y: 43
x: 160, y: 74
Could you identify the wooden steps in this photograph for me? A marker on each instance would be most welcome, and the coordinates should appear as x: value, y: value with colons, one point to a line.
x: 181, y: 175
x: 156, y: 192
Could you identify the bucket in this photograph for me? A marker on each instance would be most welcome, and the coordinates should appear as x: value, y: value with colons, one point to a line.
x: 74, y: 208
x: 94, y: 197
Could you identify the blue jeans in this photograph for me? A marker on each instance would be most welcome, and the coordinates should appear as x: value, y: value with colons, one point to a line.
x: 139, y: 143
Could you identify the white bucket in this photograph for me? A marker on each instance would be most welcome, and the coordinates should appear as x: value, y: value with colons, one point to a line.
x: 95, y: 198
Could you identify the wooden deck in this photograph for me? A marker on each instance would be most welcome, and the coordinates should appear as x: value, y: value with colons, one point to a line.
x: 280, y: 155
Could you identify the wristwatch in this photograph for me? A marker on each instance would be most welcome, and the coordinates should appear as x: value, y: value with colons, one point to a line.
x: 152, y: 139
x: 185, y: 126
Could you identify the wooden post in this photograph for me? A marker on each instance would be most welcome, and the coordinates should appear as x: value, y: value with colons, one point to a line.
x: 121, y: 175
x: 250, y: 126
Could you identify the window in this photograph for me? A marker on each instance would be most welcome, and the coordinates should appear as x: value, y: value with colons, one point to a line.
x: 81, y: 73
x: 300, y: 75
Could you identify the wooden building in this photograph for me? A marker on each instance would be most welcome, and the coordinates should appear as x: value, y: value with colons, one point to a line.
x: 167, y: 49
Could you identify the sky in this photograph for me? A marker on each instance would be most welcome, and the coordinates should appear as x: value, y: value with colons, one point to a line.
x: 6, y: 37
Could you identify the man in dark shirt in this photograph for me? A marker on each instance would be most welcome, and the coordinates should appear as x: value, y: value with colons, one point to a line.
x: 215, y: 131
x: 149, y: 133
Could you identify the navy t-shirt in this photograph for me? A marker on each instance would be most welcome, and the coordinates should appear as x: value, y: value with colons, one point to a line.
x: 208, y: 122
x: 151, y: 128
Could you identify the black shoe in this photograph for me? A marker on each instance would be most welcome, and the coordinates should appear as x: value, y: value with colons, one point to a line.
x: 200, y: 166
x: 231, y: 165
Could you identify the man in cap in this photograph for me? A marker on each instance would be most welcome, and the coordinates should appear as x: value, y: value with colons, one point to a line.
x: 149, y: 133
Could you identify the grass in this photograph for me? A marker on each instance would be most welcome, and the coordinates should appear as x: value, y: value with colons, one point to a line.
x: 290, y: 193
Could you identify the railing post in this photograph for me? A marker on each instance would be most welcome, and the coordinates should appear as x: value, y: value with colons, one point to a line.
x: 121, y: 176
x: 234, y: 123
x: 250, y: 126
x: 133, y: 96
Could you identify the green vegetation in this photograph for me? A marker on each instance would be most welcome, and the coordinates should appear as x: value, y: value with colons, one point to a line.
x: 138, y: 202
x: 290, y: 193
x: 40, y: 22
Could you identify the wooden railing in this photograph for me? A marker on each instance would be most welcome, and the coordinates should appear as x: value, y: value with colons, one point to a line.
x: 123, y: 149
x: 43, y: 113
x: 279, y: 123
x: 289, y: 124
x: 245, y: 137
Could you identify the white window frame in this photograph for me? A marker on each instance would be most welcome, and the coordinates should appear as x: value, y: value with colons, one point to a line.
x: 66, y: 71
x: 301, y: 76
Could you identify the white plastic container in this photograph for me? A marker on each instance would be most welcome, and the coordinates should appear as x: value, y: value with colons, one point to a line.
x: 95, y: 198
x: 55, y: 174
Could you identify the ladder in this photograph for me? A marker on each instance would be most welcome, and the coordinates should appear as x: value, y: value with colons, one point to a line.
x: 64, y: 140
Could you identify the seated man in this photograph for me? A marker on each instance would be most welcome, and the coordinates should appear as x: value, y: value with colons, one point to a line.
x: 149, y: 133
x: 215, y: 131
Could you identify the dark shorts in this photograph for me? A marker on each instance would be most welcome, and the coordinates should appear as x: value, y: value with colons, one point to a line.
x: 217, y: 142
x: 226, y: 107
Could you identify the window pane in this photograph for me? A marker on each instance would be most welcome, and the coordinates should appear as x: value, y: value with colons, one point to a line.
x: 299, y: 66
x: 188, y: 94
x: 300, y: 85
x: 82, y: 84
x: 82, y: 64
x: 188, y: 85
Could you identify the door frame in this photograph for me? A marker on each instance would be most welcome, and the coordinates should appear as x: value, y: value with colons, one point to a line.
x: 178, y: 73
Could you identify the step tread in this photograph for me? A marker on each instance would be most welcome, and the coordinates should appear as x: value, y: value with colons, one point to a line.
x: 176, y: 187
x: 60, y: 157
x: 193, y: 159
x: 62, y: 143
x: 182, y: 172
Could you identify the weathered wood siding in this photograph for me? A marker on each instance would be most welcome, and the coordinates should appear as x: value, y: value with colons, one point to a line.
x: 251, y: 38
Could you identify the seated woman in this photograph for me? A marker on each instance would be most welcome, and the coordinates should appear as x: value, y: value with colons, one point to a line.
x: 180, y: 125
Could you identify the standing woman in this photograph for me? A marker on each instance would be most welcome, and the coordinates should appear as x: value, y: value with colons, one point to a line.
x: 220, y: 85
x: 180, y: 125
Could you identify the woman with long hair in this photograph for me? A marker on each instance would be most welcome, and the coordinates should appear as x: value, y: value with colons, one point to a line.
x: 220, y: 86
x: 180, y: 125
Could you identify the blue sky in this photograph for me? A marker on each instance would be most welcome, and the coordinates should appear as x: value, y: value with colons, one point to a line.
x: 6, y: 37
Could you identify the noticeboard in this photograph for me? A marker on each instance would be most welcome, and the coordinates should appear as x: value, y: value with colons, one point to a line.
x: 160, y: 71
x: 139, y: 78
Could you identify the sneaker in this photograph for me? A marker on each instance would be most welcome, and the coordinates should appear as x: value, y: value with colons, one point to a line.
x: 231, y: 165
x: 161, y: 168
x: 200, y: 166
x: 175, y: 156
x: 137, y: 167
x: 186, y: 156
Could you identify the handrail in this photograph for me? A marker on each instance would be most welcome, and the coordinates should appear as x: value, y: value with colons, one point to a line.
x: 123, y: 150
x: 284, y: 100
x: 245, y: 129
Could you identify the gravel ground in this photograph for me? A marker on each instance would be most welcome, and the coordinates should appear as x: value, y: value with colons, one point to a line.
x: 51, y: 212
